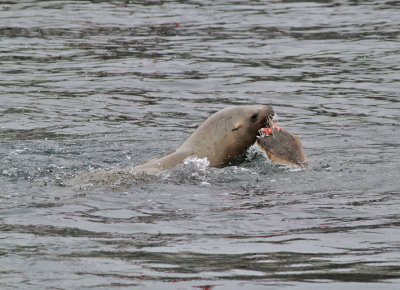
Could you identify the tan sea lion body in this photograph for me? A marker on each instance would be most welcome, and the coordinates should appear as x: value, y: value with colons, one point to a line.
x: 222, y: 137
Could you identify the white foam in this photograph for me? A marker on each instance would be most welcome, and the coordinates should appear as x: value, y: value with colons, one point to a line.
x: 200, y: 163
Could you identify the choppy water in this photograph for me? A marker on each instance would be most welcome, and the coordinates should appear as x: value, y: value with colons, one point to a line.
x: 110, y: 84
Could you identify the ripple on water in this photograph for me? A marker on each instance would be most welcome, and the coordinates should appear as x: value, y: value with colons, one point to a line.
x: 94, y: 85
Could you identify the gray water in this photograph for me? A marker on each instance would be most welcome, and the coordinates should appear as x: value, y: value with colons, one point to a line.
x: 89, y: 85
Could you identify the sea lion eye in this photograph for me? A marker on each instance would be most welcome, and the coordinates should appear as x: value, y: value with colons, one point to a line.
x: 236, y: 128
x: 254, y: 117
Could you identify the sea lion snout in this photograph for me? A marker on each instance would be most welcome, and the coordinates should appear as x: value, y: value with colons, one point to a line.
x: 269, y: 114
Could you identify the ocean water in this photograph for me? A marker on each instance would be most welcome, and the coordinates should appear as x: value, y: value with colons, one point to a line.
x: 89, y: 85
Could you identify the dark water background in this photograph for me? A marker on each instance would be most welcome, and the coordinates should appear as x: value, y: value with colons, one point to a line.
x: 110, y: 84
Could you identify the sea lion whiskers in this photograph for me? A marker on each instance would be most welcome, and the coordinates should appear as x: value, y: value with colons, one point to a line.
x: 275, y: 118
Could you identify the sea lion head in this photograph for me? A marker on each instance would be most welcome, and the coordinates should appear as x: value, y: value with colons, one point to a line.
x: 247, y: 122
x: 229, y: 132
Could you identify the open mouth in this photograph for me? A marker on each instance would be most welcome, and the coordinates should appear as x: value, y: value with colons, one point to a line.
x: 269, y: 128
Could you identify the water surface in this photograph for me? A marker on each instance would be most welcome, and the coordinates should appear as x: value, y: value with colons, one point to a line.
x: 91, y: 85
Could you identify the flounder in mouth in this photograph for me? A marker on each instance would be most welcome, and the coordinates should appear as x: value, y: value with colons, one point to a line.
x: 281, y: 146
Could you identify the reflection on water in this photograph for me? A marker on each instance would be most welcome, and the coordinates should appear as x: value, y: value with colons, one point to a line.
x: 98, y: 84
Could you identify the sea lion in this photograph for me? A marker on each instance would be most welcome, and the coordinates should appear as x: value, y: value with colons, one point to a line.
x: 225, y: 135
x: 281, y: 146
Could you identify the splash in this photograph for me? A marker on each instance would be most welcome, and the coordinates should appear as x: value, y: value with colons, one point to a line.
x: 199, y: 163
x: 193, y: 169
